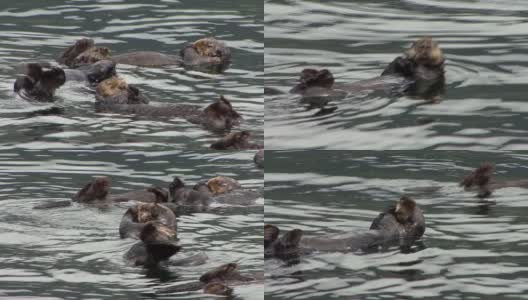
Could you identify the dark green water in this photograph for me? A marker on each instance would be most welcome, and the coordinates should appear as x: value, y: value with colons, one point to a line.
x: 484, y: 43
x: 472, y: 250
x: 76, y: 252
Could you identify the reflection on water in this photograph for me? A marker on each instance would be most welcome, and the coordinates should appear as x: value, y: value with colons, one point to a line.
x: 470, y: 249
x: 486, y: 75
x: 68, y: 252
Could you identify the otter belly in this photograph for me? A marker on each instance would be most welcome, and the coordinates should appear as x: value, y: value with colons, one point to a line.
x: 146, y: 59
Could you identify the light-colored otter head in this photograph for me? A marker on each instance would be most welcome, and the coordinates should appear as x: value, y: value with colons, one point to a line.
x: 425, y: 51
x: 209, y: 47
x: 220, y: 185
x: 98, y: 189
x: 404, y: 209
x: 92, y: 55
x: 111, y: 87
x: 147, y: 212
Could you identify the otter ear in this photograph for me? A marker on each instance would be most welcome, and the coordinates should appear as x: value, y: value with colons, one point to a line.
x: 218, y: 273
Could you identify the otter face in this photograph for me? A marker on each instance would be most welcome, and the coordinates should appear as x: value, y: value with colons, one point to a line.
x: 217, y: 288
x: 147, y: 212
x: 287, y: 247
x: 425, y: 51
x: 313, y: 78
x: 207, y: 55
x: 69, y: 55
x: 116, y: 91
x: 98, y: 189
x: 221, y: 185
x: 91, y: 56
x: 39, y: 84
x: 221, y: 115
x: 404, y: 210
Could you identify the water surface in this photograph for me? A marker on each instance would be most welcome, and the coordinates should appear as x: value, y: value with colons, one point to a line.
x: 484, y: 103
x: 470, y: 250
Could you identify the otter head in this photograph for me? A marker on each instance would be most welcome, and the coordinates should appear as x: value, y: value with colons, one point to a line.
x: 39, y: 84
x: 207, y: 54
x: 147, y: 212
x: 222, y: 274
x: 479, y: 177
x: 98, y: 189
x: 425, y: 51
x: 220, y: 115
x: 217, y: 288
x: 115, y: 90
x: 221, y: 185
x: 287, y: 246
x: 404, y: 210
x: 100, y: 71
x: 310, y: 78
x: 154, y: 231
x: 69, y: 55
x: 91, y: 56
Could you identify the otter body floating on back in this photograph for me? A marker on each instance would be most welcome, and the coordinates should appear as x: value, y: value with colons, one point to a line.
x: 400, y: 225
x: 207, y: 54
x: 114, y: 95
x: 418, y: 72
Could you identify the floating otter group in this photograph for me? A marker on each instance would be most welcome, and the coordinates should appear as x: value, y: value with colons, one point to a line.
x: 152, y: 220
x: 96, y: 66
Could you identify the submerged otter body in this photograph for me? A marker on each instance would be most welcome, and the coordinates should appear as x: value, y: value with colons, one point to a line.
x: 38, y: 83
x: 216, y: 281
x: 114, y: 95
x: 236, y: 141
x: 147, y: 59
x: 419, y: 72
x: 98, y: 190
x: 399, y: 225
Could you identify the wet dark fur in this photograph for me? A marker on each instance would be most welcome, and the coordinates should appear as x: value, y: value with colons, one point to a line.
x: 236, y: 141
x: 38, y: 83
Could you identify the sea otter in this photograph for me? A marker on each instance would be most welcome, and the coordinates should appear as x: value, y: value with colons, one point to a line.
x: 114, y: 95
x: 182, y: 196
x: 481, y: 180
x: 153, y: 248
x: 236, y: 141
x: 38, y: 83
x: 216, y: 281
x: 98, y: 190
x: 418, y: 72
x: 401, y: 225
x: 207, y: 54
